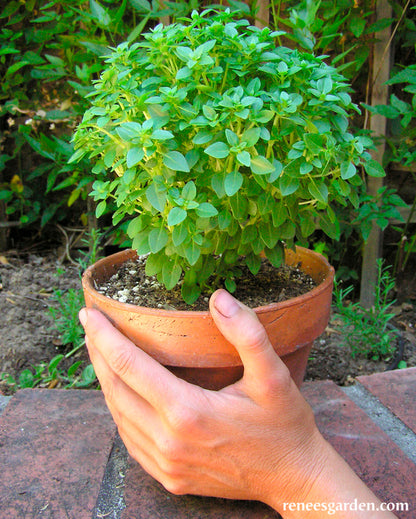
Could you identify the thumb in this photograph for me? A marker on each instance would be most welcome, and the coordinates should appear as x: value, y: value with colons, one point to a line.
x: 241, y: 327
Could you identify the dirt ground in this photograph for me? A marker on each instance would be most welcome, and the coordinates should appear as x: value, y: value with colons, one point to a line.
x: 27, y: 338
x: 27, y: 284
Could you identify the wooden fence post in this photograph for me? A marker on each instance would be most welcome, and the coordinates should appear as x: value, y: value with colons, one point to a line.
x: 163, y: 19
x: 263, y: 13
x: 378, y: 124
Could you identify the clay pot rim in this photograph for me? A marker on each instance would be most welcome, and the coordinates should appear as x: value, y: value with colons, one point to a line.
x: 162, y: 312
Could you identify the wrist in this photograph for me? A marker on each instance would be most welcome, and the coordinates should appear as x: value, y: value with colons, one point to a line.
x: 299, y: 482
x: 326, y: 479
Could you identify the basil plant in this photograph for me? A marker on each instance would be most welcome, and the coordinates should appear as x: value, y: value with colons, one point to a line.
x: 219, y: 146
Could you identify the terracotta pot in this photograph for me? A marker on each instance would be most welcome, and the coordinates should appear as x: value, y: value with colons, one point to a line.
x: 190, y: 345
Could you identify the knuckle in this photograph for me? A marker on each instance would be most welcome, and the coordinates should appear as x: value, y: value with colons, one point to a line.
x: 184, y: 419
x: 109, y: 390
x: 176, y: 486
x: 277, y: 383
x: 170, y: 450
x: 257, y: 338
x: 121, y: 359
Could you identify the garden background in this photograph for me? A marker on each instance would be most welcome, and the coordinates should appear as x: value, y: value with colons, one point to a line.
x: 50, y: 54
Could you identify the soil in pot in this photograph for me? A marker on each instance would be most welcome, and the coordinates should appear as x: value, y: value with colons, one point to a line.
x: 130, y: 284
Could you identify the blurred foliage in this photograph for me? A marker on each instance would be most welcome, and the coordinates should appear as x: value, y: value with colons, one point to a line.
x: 51, y: 52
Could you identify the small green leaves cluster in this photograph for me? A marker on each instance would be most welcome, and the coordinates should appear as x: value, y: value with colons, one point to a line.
x: 218, y: 145
x: 367, y: 332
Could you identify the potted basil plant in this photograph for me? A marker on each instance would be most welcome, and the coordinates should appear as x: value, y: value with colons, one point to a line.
x: 220, y: 148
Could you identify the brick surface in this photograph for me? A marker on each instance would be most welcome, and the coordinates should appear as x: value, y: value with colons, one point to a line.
x: 368, y: 450
x: 54, y: 446
x: 397, y: 391
x: 146, y: 499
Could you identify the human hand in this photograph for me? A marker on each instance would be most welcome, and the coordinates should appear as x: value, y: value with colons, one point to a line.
x: 255, y: 439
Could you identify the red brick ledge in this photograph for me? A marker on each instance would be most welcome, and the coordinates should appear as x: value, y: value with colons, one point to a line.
x: 61, y: 457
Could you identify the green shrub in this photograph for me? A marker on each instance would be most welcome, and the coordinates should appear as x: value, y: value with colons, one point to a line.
x: 218, y: 145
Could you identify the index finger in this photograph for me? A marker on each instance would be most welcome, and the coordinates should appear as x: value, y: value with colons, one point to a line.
x: 156, y: 384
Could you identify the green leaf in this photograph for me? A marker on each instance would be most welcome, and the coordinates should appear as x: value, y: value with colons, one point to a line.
x: 230, y: 284
x: 156, y: 195
x: 87, y: 376
x: 279, y: 214
x: 77, y: 156
x: 288, y: 185
x: 176, y: 161
x: 99, y: 13
x: 224, y: 219
x: 407, y: 75
x: 73, y: 368
x: 154, y: 264
x: 276, y: 255
x: 253, y: 262
x: 374, y: 168
x: 244, y: 158
x: 141, y: 5
x: 162, y: 135
x: 278, y: 168
x: 385, y: 110
x: 209, y: 112
x: 251, y: 136
x: 314, y: 142
x: 184, y: 73
x: 109, y: 157
x: 141, y: 243
x: 189, y: 191
x: 269, y: 234
x: 134, y: 156
x: 331, y: 229
x: 158, y: 238
x: 260, y: 165
x: 206, y: 210
x: 53, y: 364
x: 307, y: 225
x: 202, y: 137
x: 134, y: 227
x: 190, y: 293
x: 357, y: 25
x: 100, y: 209
x: 239, y: 206
x: 319, y: 191
x: 26, y: 379
x: 192, y: 253
x: 179, y: 234
x: 171, y: 275
x: 287, y: 231
x: 232, y: 183
x: 249, y: 234
x: 305, y: 168
x: 232, y: 138
x: 176, y: 216
x: 348, y: 170
x: 218, y: 150
x: 96, y: 48
x: 217, y: 184
x: 342, y: 187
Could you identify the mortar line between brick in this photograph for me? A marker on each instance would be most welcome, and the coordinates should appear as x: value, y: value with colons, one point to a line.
x: 397, y: 431
x: 110, y: 501
x: 4, y: 400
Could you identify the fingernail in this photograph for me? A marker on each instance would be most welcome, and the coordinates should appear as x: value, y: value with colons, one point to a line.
x: 83, y: 316
x: 225, y: 304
